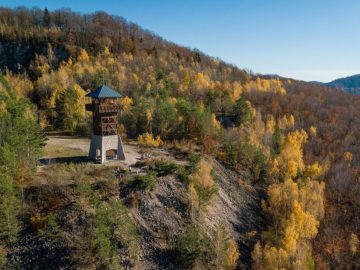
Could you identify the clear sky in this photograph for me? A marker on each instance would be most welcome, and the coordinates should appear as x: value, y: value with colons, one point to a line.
x: 301, y: 39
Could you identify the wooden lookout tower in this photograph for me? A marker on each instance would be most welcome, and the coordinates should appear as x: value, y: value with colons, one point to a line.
x: 105, y: 142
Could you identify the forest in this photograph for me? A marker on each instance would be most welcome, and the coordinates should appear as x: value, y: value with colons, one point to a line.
x: 297, y: 140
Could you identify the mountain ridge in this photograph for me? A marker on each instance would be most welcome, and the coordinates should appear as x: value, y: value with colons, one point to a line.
x: 350, y: 84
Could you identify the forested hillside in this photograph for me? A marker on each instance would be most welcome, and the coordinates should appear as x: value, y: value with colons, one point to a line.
x: 350, y: 84
x: 297, y: 140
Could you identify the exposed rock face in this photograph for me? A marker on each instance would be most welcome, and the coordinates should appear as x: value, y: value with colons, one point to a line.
x: 160, y: 216
x: 18, y: 56
x: 15, y: 57
x: 163, y: 214
x: 237, y: 206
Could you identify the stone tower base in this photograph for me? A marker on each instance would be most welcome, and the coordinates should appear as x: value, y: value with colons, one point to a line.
x: 100, y: 144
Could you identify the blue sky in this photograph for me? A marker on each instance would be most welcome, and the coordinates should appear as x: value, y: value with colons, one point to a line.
x: 307, y: 40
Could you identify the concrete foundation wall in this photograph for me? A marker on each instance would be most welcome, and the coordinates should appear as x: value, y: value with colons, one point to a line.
x: 100, y: 144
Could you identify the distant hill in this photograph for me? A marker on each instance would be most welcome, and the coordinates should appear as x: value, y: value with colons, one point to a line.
x: 350, y: 84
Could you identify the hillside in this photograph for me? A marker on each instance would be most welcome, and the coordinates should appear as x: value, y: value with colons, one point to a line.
x: 63, y: 243
x: 278, y: 188
x: 351, y: 84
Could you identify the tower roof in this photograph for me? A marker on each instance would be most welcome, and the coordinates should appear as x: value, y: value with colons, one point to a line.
x: 104, y: 92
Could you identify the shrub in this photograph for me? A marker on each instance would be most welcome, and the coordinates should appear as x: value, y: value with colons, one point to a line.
x: 188, y: 247
x: 143, y: 182
x: 184, y: 175
x: 205, y: 193
x: 194, y: 247
x: 113, y: 228
x: 193, y: 200
x: 52, y: 227
x: 185, y: 146
x: 125, y: 230
x: 310, y: 264
x: 3, y: 255
x: 101, y: 234
x: 194, y: 162
x: 139, y: 164
x: 164, y: 167
x: 201, y: 182
x: 38, y: 221
x: 45, y: 225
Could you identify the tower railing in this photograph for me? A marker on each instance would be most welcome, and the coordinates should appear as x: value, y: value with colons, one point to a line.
x: 108, y: 108
x: 103, y: 108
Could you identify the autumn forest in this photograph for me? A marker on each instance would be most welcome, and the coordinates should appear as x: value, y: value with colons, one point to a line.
x: 295, y: 143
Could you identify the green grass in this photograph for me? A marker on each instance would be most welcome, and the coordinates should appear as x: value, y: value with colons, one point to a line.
x: 54, y: 151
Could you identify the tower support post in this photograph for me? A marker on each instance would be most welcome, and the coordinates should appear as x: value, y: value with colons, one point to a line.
x: 100, y: 145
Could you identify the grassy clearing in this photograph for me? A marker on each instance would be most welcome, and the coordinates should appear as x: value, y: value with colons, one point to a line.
x: 59, y: 152
x: 66, y: 146
x: 65, y: 174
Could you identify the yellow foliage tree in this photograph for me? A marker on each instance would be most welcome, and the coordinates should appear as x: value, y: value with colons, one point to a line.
x: 20, y: 84
x: 266, y: 85
x: 232, y: 255
x: 348, y: 157
x: 257, y: 257
x: 147, y: 139
x: 136, y: 78
x: 237, y: 90
x: 290, y: 160
x: 300, y: 225
x: 282, y: 197
x: 295, y: 208
x: 313, y: 131
x: 286, y: 122
x: 353, y: 244
x: 215, y: 123
x: 274, y: 258
x: 202, y: 81
x: 83, y: 56
x: 314, y: 171
x: 122, y: 131
x: 311, y: 198
x: 126, y: 103
x: 270, y: 124
x: 226, y: 250
x: 292, y: 168
x: 106, y: 51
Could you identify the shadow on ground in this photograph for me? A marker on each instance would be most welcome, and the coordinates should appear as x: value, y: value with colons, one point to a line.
x: 76, y: 159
